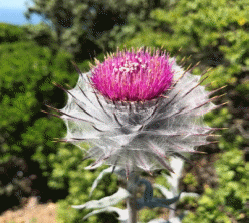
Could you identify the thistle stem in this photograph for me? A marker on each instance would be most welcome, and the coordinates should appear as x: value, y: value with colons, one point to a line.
x: 131, y: 201
x: 132, y: 212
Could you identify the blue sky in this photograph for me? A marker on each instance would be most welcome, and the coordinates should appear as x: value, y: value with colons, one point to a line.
x: 13, y: 4
x: 11, y: 11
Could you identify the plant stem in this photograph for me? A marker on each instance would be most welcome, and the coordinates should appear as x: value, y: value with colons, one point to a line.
x: 131, y: 201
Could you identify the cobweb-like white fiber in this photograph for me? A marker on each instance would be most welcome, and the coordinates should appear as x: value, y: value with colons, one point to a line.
x: 136, y: 135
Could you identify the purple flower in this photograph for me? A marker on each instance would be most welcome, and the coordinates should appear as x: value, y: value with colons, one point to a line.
x: 136, y: 109
x: 133, y: 76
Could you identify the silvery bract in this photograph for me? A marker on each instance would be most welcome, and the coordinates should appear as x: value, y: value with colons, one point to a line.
x: 136, y: 109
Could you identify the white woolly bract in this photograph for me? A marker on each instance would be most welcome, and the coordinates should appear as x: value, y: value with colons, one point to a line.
x: 136, y: 135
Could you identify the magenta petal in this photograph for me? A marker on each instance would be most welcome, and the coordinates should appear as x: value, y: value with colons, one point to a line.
x: 133, y: 76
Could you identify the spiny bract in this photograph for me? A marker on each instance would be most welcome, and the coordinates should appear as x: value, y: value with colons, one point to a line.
x: 136, y: 109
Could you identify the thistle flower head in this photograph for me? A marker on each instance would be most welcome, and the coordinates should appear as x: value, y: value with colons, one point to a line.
x: 136, y: 109
x: 133, y: 76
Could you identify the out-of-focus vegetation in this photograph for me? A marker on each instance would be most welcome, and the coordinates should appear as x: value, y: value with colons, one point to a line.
x: 87, y: 27
x: 216, y: 33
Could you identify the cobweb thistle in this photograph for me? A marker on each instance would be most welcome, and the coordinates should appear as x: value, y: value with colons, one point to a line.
x: 136, y: 109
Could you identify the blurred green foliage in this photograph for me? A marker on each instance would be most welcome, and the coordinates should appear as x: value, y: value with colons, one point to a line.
x: 227, y: 203
x: 26, y: 76
x: 26, y: 82
x: 10, y: 33
x: 212, y: 32
x: 190, y: 179
x: 86, y: 27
